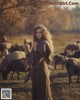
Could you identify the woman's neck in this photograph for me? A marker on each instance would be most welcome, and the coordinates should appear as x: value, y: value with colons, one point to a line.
x: 40, y: 39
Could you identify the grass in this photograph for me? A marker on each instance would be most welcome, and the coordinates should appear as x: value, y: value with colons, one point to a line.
x: 60, y: 88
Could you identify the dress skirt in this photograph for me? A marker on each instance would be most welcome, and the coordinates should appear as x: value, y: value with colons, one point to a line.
x: 41, y: 82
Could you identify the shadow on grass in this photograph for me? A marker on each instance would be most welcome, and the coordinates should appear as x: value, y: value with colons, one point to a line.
x: 14, y: 85
x: 60, y: 75
x: 57, y: 93
x: 5, y: 83
x: 61, y: 89
x: 21, y: 89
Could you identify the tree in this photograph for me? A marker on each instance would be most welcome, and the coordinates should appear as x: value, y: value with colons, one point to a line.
x: 20, y: 16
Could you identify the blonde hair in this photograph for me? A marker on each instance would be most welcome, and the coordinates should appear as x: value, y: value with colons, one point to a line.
x: 46, y: 35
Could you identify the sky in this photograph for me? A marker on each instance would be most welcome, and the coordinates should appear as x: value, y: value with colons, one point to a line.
x: 70, y: 6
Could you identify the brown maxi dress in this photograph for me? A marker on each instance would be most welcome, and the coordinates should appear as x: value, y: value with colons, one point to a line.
x: 40, y: 77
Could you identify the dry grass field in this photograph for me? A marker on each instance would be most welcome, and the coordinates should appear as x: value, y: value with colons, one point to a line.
x: 60, y: 88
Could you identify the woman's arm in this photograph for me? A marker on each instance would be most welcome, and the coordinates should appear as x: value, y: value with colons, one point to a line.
x: 46, y: 54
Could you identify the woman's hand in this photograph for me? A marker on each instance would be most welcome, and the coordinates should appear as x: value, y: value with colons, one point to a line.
x: 41, y: 60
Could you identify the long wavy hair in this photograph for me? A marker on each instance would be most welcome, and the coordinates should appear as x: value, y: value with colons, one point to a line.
x: 46, y: 35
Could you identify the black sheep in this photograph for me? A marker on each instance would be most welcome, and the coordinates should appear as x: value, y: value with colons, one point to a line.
x: 73, y: 68
x: 77, y: 54
x: 14, y: 66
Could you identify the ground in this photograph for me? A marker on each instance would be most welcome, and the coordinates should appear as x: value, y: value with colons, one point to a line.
x: 60, y: 87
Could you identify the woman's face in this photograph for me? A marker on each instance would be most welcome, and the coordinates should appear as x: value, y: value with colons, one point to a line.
x: 39, y: 33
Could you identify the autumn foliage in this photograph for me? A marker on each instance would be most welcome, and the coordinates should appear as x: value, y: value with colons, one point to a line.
x: 20, y: 16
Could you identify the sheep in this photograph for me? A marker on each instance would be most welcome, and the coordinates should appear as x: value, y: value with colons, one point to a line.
x: 4, y: 46
x: 71, y: 49
x: 4, y: 53
x: 13, y: 59
x: 77, y: 54
x: 78, y: 43
x: 3, y: 38
x: 4, y: 43
x: 16, y: 47
x: 14, y: 62
x: 15, y: 66
x: 73, y: 68
x: 59, y: 59
x: 20, y: 47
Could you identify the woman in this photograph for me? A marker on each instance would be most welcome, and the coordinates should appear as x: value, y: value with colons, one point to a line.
x: 42, y: 49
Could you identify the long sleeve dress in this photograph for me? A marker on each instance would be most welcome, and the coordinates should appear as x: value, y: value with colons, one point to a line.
x: 40, y: 77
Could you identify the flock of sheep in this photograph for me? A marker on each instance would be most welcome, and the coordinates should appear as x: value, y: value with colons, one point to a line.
x: 13, y: 58
x: 15, y: 61
x: 70, y: 59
